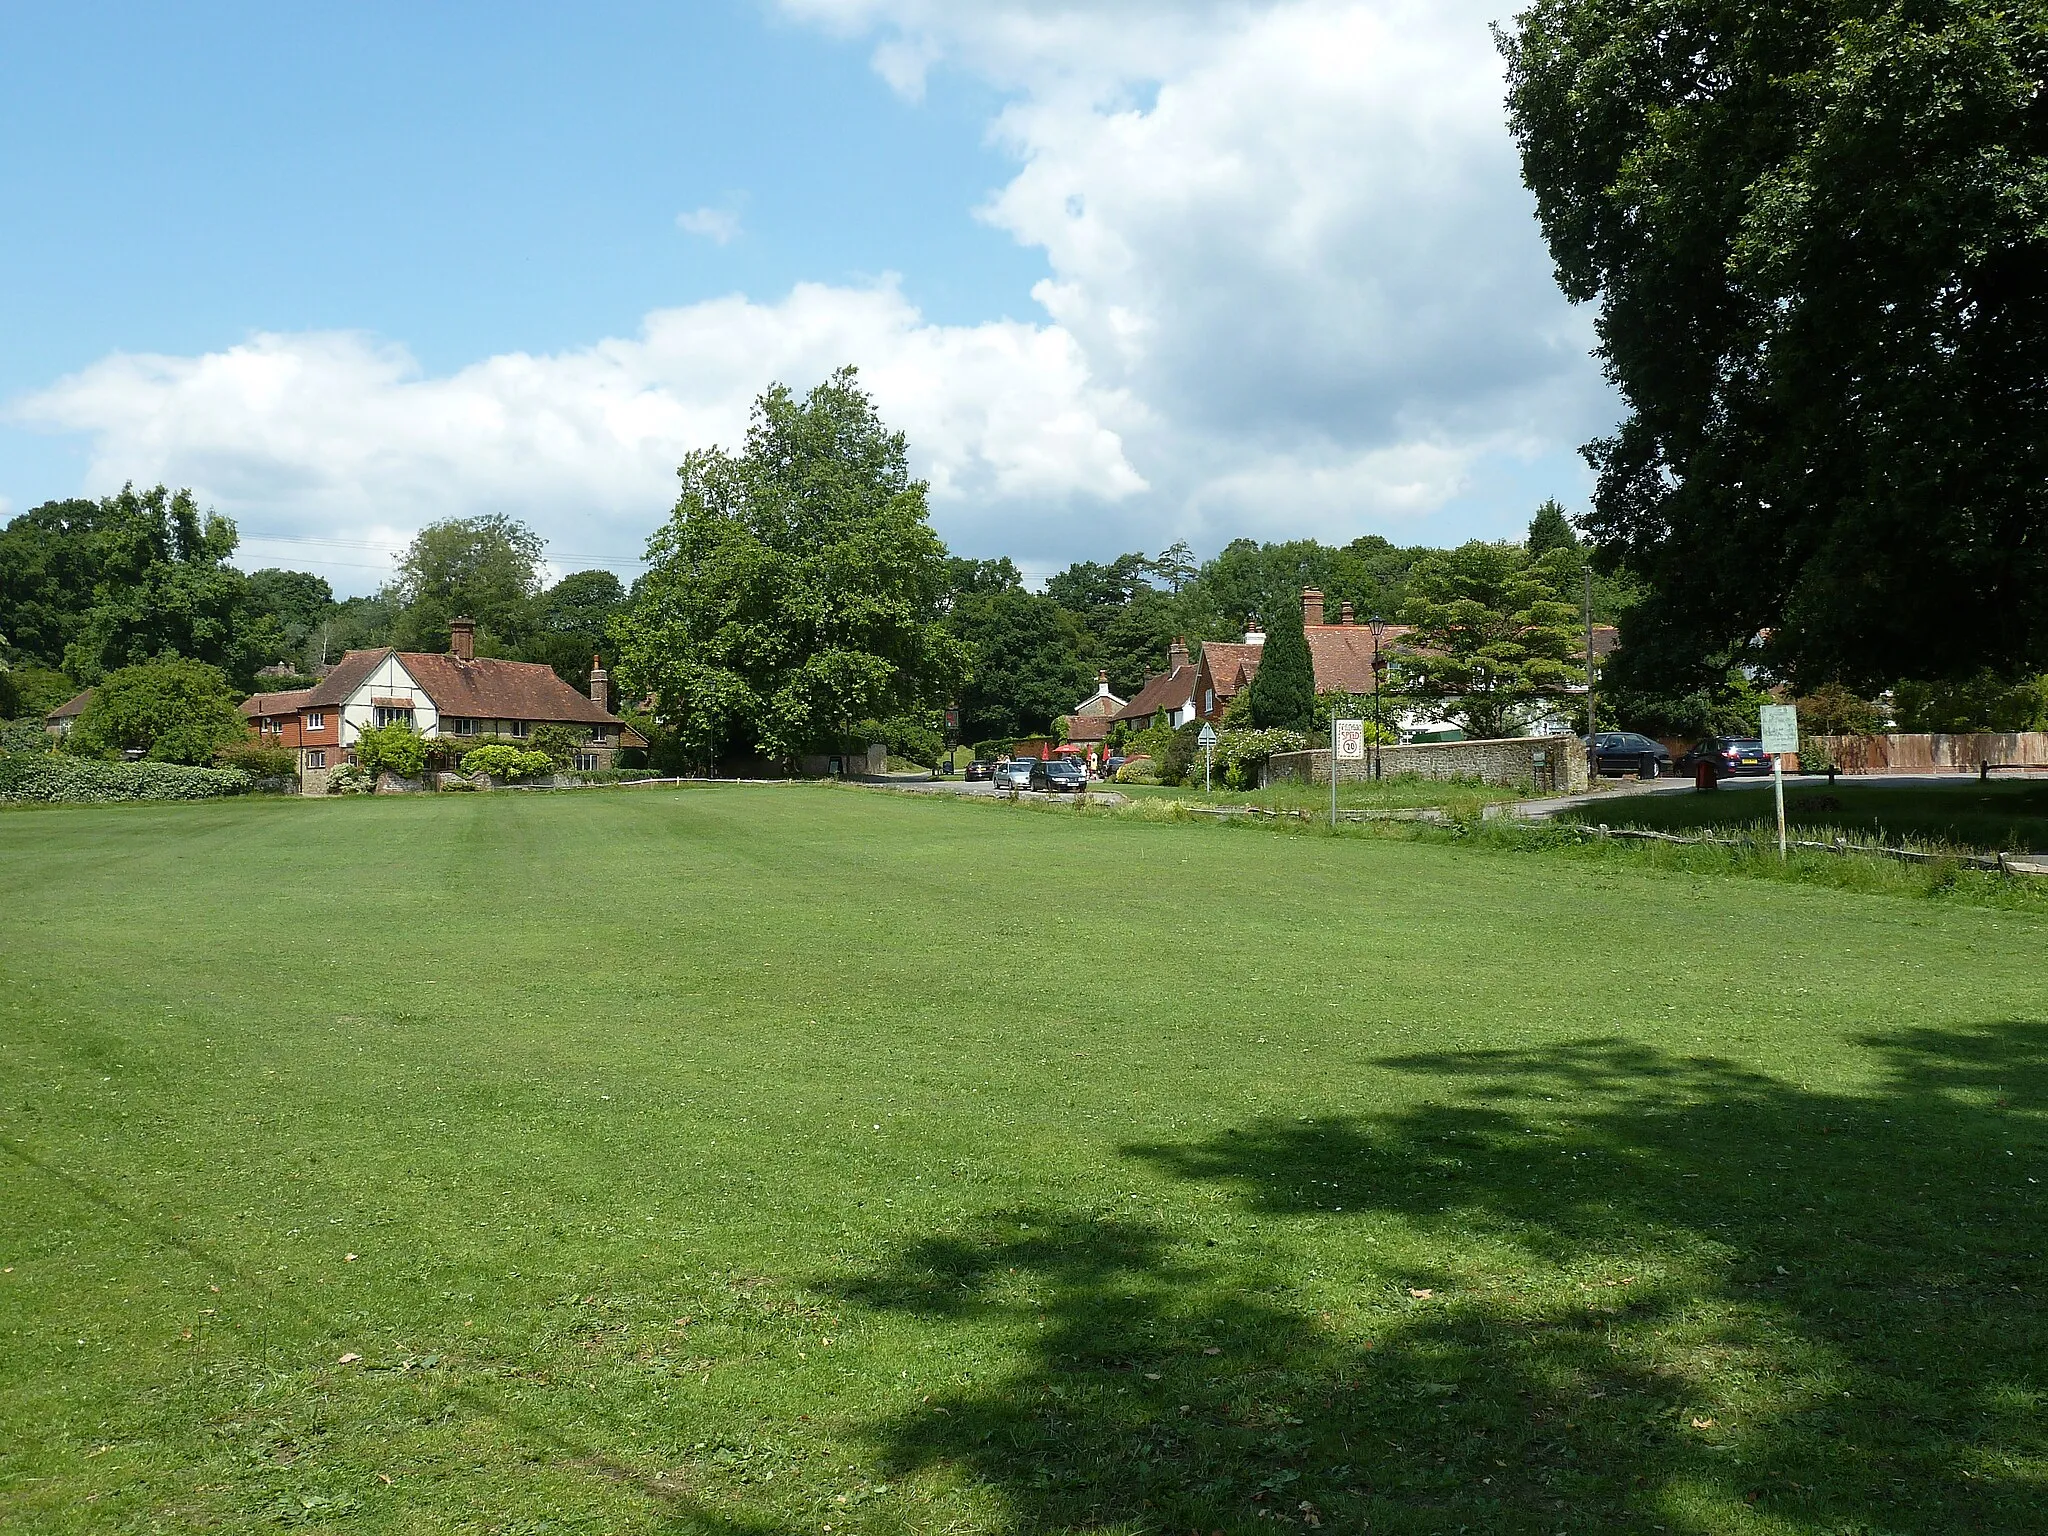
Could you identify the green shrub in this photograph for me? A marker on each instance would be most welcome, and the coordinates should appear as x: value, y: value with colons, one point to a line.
x: 47, y: 777
x: 502, y: 762
x: 171, y: 710
x: 26, y: 736
x: 1138, y: 770
x: 558, y: 743
x: 259, y: 760
x: 989, y: 751
x: 351, y: 779
x: 1241, y: 754
x: 395, y: 748
x: 1183, y: 756
x: 29, y: 691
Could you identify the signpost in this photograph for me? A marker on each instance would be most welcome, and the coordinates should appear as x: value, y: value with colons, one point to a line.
x: 1781, y: 736
x: 1207, y: 737
x: 1347, y: 745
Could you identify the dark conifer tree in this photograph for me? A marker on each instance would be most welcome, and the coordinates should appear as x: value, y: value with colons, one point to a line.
x: 1284, y: 688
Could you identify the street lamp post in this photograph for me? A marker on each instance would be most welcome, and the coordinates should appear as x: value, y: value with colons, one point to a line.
x: 1378, y: 670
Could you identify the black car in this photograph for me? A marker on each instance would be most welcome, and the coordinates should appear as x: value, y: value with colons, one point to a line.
x: 980, y: 771
x: 1015, y: 774
x: 1621, y: 752
x: 1059, y: 774
x: 1730, y: 757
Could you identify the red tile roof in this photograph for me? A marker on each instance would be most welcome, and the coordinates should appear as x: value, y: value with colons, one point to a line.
x: 1340, y: 653
x: 260, y: 706
x: 75, y: 705
x: 484, y: 689
x: 1167, y: 690
x: 1088, y: 729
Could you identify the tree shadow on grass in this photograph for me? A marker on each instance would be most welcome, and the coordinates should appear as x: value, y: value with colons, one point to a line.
x: 1601, y: 1287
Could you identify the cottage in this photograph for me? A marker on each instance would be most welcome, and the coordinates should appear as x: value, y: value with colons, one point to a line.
x: 457, y: 695
x: 1171, y: 691
x: 1343, y: 655
x: 59, y: 721
x: 1091, y: 719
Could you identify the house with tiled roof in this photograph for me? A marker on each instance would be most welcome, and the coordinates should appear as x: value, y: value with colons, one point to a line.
x: 456, y: 695
x: 1090, y: 720
x: 58, y: 722
x: 1171, y: 692
x: 1346, y: 655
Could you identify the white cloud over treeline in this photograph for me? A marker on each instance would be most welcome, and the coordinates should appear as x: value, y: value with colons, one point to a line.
x: 1295, y: 287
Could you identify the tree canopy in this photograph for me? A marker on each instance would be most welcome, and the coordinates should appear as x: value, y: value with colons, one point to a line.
x: 92, y: 586
x: 171, y: 710
x: 1493, y: 638
x: 796, y: 590
x: 1817, y: 237
x: 487, y: 568
x: 1025, y: 654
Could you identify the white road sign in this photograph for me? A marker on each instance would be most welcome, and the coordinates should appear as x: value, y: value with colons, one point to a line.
x: 1206, y: 736
x: 1781, y: 729
x: 1350, y: 736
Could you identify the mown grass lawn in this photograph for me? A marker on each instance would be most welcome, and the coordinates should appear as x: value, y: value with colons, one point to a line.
x: 2004, y: 814
x: 800, y: 1159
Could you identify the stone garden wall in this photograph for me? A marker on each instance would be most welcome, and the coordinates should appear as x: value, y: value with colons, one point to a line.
x: 1547, y: 763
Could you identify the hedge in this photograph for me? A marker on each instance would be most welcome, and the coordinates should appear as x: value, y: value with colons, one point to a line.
x: 70, y: 780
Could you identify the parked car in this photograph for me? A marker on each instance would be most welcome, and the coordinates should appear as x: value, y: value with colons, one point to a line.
x: 980, y: 771
x: 1731, y: 756
x: 1059, y: 774
x: 1015, y: 774
x: 1621, y: 752
x: 1111, y: 763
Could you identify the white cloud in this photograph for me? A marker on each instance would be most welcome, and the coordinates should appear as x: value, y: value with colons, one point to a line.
x: 721, y: 226
x: 1294, y: 230
x: 310, y: 433
x: 1295, y: 288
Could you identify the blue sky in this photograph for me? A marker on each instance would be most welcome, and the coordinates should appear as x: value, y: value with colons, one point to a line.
x: 345, y: 272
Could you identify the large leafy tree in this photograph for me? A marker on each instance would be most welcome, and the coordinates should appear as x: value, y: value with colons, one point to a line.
x: 171, y: 710
x: 1025, y: 655
x: 486, y: 568
x: 573, y: 619
x: 797, y: 589
x: 1817, y: 231
x: 1491, y: 638
x: 93, y: 586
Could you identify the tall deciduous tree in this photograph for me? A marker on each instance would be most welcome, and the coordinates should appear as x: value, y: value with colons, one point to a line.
x: 486, y: 568
x: 1817, y: 237
x: 797, y: 588
x: 573, y: 622
x: 1490, y: 639
x: 97, y: 585
x: 1025, y: 655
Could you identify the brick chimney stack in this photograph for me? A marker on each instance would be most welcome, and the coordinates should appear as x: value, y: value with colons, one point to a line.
x: 1102, y: 686
x: 1311, y: 607
x: 1176, y: 655
x: 600, y: 685
x: 1348, y: 618
x: 462, y: 639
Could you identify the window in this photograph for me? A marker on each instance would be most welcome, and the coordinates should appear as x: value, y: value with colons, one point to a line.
x: 388, y: 715
x: 316, y: 759
x: 316, y: 719
x: 586, y: 762
x: 459, y: 727
x: 597, y: 736
x: 521, y: 727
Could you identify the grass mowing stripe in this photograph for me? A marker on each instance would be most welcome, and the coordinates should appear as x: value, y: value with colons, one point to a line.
x: 1140, y: 1176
